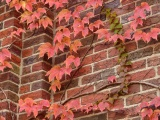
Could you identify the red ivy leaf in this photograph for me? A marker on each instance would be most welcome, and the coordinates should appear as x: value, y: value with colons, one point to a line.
x: 55, y: 84
x: 112, y: 79
x: 46, y: 48
x: 72, y: 59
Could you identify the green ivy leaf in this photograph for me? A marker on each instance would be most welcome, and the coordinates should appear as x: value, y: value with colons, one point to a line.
x: 114, y: 14
x: 119, y: 26
x: 129, y: 63
x: 124, y: 55
x: 116, y: 20
x: 112, y: 26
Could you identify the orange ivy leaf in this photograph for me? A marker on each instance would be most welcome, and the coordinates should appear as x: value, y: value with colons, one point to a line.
x: 55, y: 84
x: 75, y: 45
x: 55, y: 72
x: 45, y: 22
x: 2, y: 118
x: 65, y: 13
x: 46, y: 48
x: 72, y: 59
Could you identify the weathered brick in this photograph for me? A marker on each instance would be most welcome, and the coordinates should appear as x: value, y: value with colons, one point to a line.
x: 57, y: 96
x: 150, y: 2
x: 142, y: 75
x: 158, y: 70
x: 36, y: 40
x: 41, y: 66
x: 26, y: 70
x: 8, y: 41
x: 102, y: 46
x: 155, y: 9
x: 36, y: 94
x: 94, y: 58
x: 24, y: 89
x: 32, y: 59
x: 9, y: 86
x: 94, y: 98
x: 154, y: 61
x: 4, y: 105
x: 40, y: 85
x: 60, y: 59
x: 12, y: 22
x: 15, y: 50
x: 10, y: 95
x: 78, y: 91
x: 137, y: 65
x: 96, y: 117
x: 125, y: 9
x: 140, y: 53
x: 122, y: 113
x: 16, y: 59
x: 142, y: 44
x: 27, y: 52
x: 113, y: 52
x: 105, y: 64
x: 153, y: 81
x: 83, y: 71
x: 135, y: 99
x: 91, y: 78
x: 33, y: 77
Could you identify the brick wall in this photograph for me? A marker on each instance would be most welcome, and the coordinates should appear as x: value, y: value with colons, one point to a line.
x: 28, y: 77
x: 10, y: 79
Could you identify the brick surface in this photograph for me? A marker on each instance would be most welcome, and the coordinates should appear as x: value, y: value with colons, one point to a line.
x: 28, y: 77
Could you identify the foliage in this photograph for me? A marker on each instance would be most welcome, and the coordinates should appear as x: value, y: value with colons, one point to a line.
x: 35, y: 16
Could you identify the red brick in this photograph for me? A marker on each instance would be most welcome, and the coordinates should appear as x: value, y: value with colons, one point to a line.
x: 83, y: 71
x: 15, y: 59
x: 9, y: 14
x: 105, y: 64
x: 57, y: 96
x: 5, y: 104
x: 113, y: 52
x: 33, y: 77
x: 23, y: 117
x: 41, y: 66
x: 82, y: 51
x: 153, y: 81
x: 36, y: 40
x: 12, y: 22
x: 131, y: 46
x: 91, y: 78
x: 125, y: 9
x: 134, y: 89
x: 94, y: 98
x: 102, y: 46
x: 78, y: 91
x: 118, y: 104
x: 124, y: 2
x: 2, y: 10
x: 154, y: 61
x: 27, y: 52
x: 155, y: 9
x: 137, y: 65
x: 139, y: 98
x: 94, y: 58
x: 6, y: 32
x: 24, y: 89
x: 36, y: 94
x: 158, y: 70
x: 142, y: 75
x: 8, y: 41
x: 26, y: 70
